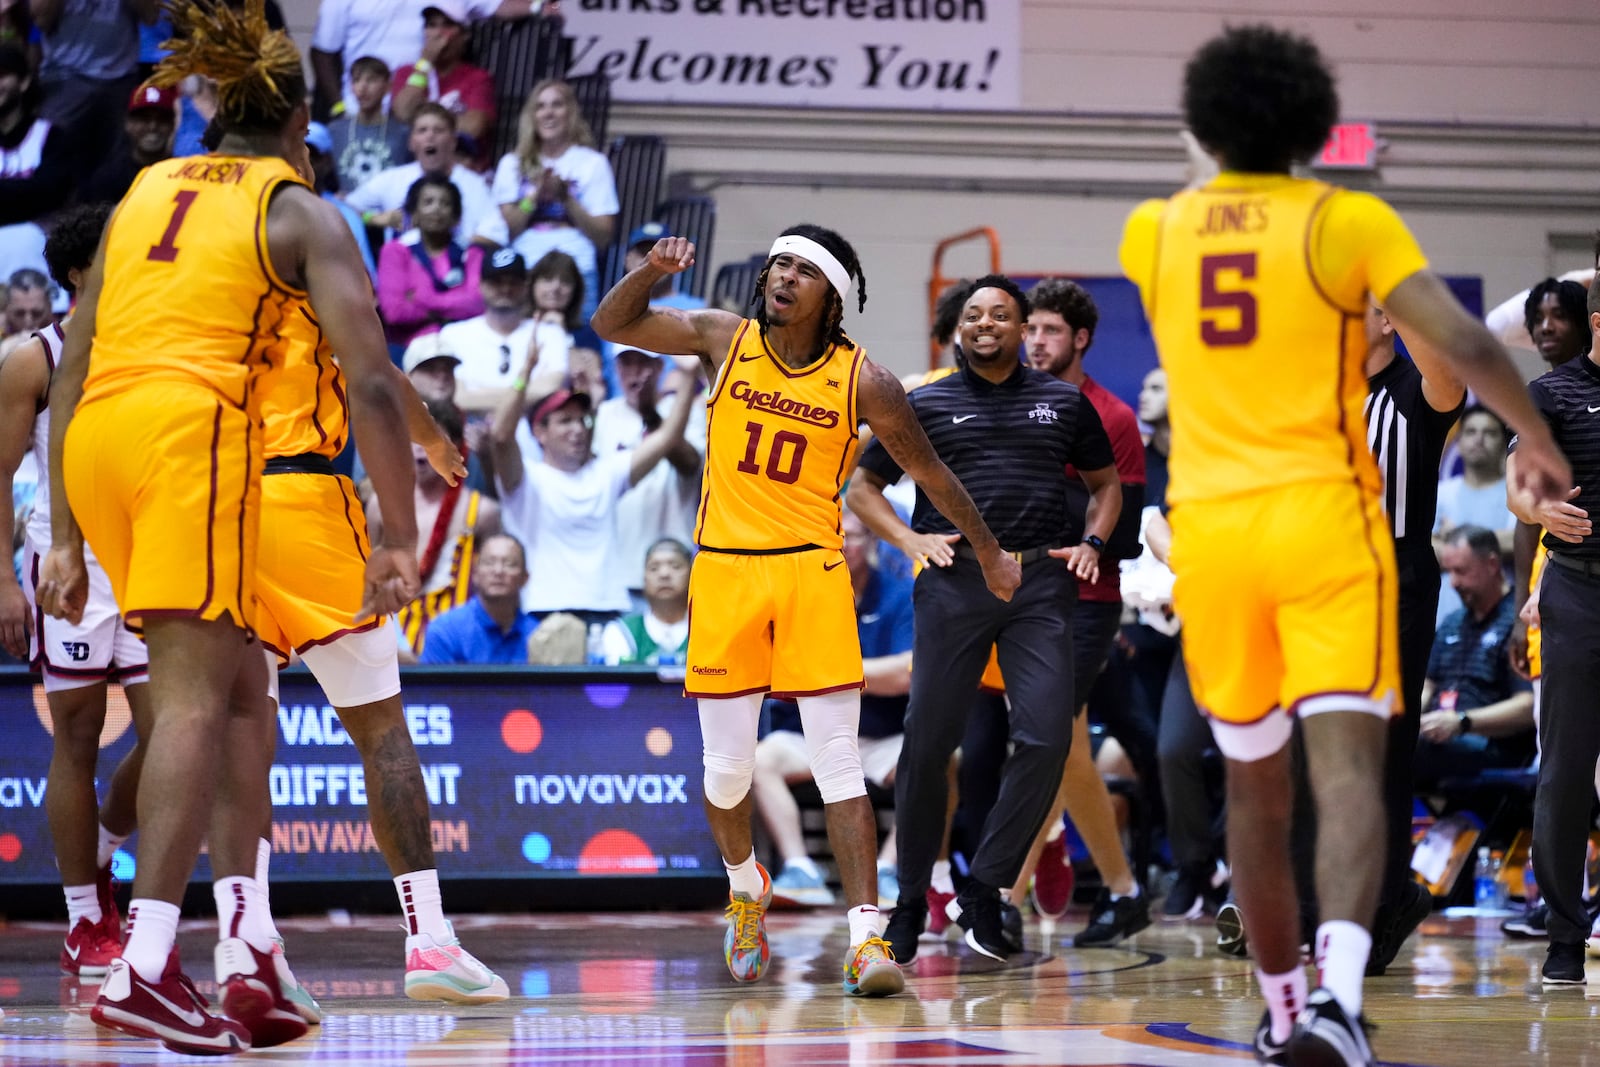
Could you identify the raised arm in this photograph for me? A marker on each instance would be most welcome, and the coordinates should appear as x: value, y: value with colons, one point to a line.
x: 882, y: 404
x: 24, y: 381
x: 664, y: 438
x: 626, y: 317
x: 513, y: 403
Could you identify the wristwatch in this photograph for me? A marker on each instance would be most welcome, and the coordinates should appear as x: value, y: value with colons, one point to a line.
x: 1465, y: 722
x: 1095, y: 543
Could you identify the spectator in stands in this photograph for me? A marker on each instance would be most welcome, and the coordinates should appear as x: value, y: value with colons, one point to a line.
x: 884, y: 623
x: 492, y: 345
x: 664, y: 503
x: 87, y: 70
x: 1476, y: 496
x: 428, y: 278
x: 367, y: 140
x: 659, y: 632
x: 28, y: 298
x: 324, y: 168
x: 431, y: 364
x: 491, y: 627
x: 1478, y: 711
x: 150, y: 123
x: 36, y: 164
x: 381, y: 200
x: 557, y: 290
x: 555, y: 191
x: 564, y: 507
x: 442, y: 75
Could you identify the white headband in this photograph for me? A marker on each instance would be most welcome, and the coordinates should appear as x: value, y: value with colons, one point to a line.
x: 806, y: 248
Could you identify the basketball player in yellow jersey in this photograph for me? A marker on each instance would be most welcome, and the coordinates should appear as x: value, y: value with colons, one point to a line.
x: 155, y: 449
x: 770, y: 603
x: 1255, y: 285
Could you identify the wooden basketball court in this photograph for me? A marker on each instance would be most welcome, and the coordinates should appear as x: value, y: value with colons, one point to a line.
x: 651, y: 988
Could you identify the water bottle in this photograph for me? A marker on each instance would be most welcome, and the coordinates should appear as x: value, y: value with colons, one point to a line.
x: 1530, y: 884
x: 596, y: 646
x: 1483, y: 880
x: 1502, y: 891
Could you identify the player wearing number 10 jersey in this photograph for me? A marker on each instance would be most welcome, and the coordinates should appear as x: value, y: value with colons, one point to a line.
x: 770, y: 601
x: 1256, y: 285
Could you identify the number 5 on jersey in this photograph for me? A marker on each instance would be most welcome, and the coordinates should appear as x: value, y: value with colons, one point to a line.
x: 1232, y: 320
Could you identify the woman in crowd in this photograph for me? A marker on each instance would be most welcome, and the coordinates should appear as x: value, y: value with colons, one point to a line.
x: 426, y: 277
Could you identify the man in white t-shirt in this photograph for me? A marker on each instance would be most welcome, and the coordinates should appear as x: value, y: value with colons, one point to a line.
x: 1477, y: 496
x: 564, y: 507
x: 493, y: 345
x: 381, y: 199
x: 664, y: 502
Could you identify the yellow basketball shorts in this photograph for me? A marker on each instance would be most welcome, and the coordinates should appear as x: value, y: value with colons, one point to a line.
x: 784, y: 624
x: 312, y: 561
x: 1288, y: 599
x: 165, y: 482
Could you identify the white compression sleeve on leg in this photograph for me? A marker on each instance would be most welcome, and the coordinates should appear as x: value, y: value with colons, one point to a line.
x: 728, y: 728
x: 832, y: 724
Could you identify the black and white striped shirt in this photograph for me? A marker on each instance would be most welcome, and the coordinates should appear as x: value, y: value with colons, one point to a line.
x: 1407, y: 435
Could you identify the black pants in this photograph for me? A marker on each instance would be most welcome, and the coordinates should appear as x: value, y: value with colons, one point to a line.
x: 958, y: 620
x: 1569, y: 744
x: 1185, y: 738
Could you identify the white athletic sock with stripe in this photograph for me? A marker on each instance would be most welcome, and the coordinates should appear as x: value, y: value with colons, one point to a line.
x: 263, y: 894
x: 152, y: 930
x: 109, y: 843
x: 83, y: 902
x: 239, y: 912
x: 1342, y: 951
x: 422, y: 905
x: 1286, y: 995
x: 866, y: 922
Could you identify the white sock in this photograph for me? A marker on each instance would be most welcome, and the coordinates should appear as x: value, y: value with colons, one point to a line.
x: 1286, y: 995
x: 83, y: 902
x: 865, y: 923
x: 239, y: 912
x: 263, y: 893
x: 746, y: 878
x: 941, y: 877
x: 1128, y: 896
x: 1057, y: 828
x: 1342, y: 951
x: 109, y: 843
x: 152, y: 931
x: 804, y: 863
x: 423, y: 905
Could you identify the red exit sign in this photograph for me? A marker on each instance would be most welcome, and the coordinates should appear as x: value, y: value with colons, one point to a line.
x: 1351, y: 146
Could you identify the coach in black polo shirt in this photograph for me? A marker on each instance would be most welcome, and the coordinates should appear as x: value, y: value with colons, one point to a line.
x: 1569, y: 612
x: 1008, y: 432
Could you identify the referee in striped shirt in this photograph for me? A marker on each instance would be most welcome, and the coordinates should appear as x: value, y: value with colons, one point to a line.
x: 1008, y: 432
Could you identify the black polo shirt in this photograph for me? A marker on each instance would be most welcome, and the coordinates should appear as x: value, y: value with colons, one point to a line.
x: 1569, y: 399
x: 1009, y: 444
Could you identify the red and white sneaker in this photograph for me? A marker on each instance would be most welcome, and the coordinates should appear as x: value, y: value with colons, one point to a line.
x: 247, y: 981
x: 89, y: 950
x: 938, y: 918
x: 110, y: 917
x: 166, y: 1011
x: 1052, y: 880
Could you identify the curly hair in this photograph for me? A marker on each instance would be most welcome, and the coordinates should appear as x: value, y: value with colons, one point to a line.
x: 1005, y: 285
x: 1071, y: 301
x: 74, y: 239
x: 1261, y: 98
x: 259, y: 78
x: 1573, y: 300
x: 845, y: 253
x: 433, y: 181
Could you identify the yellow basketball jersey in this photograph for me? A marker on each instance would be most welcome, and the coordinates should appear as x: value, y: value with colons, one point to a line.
x: 778, y: 445
x: 1255, y: 287
x: 304, y: 408
x: 189, y: 292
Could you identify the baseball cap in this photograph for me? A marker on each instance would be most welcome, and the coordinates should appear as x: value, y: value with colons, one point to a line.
x: 638, y: 353
x: 647, y: 234
x: 151, y: 96
x: 422, y: 349
x: 318, y: 139
x: 559, y: 399
x: 505, y: 263
x: 454, y: 10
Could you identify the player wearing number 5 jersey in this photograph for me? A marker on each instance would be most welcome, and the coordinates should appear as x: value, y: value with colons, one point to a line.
x: 770, y: 602
x: 1256, y: 285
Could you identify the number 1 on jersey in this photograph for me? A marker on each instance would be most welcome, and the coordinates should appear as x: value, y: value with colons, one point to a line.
x: 780, y: 468
x: 1243, y: 322
x: 167, y: 250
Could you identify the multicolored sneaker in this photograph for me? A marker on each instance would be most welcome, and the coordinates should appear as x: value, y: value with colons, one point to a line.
x: 745, y: 944
x: 872, y: 972
x: 165, y: 1011
x: 444, y: 970
x: 89, y: 950
x: 247, y: 980
x: 305, y: 1005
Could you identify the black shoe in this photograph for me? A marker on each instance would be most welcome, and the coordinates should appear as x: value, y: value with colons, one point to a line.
x: 1191, y: 892
x: 1112, y: 920
x: 1396, y: 924
x: 904, y: 927
x: 1533, y: 923
x: 977, y: 911
x: 1231, y: 940
x: 1011, y: 923
x: 1563, y: 963
x: 1324, y: 1036
x: 1267, y: 1050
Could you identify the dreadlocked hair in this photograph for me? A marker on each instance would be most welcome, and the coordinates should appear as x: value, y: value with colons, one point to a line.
x: 833, y: 330
x: 257, y: 69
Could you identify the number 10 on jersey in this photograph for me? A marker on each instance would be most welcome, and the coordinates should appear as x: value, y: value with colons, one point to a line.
x: 784, y: 454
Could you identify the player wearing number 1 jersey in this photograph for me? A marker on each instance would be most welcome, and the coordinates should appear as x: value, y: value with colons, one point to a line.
x: 770, y: 602
x: 155, y: 449
x: 1256, y: 285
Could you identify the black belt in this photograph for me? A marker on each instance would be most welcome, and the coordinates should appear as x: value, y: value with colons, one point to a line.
x: 759, y: 551
x: 305, y: 463
x: 1023, y: 556
x: 1589, y: 568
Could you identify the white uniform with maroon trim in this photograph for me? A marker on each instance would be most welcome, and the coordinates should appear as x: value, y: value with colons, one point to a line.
x: 99, y: 648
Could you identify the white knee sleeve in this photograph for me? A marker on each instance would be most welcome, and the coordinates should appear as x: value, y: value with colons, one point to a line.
x: 357, y: 669
x: 728, y: 732
x: 832, y: 724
